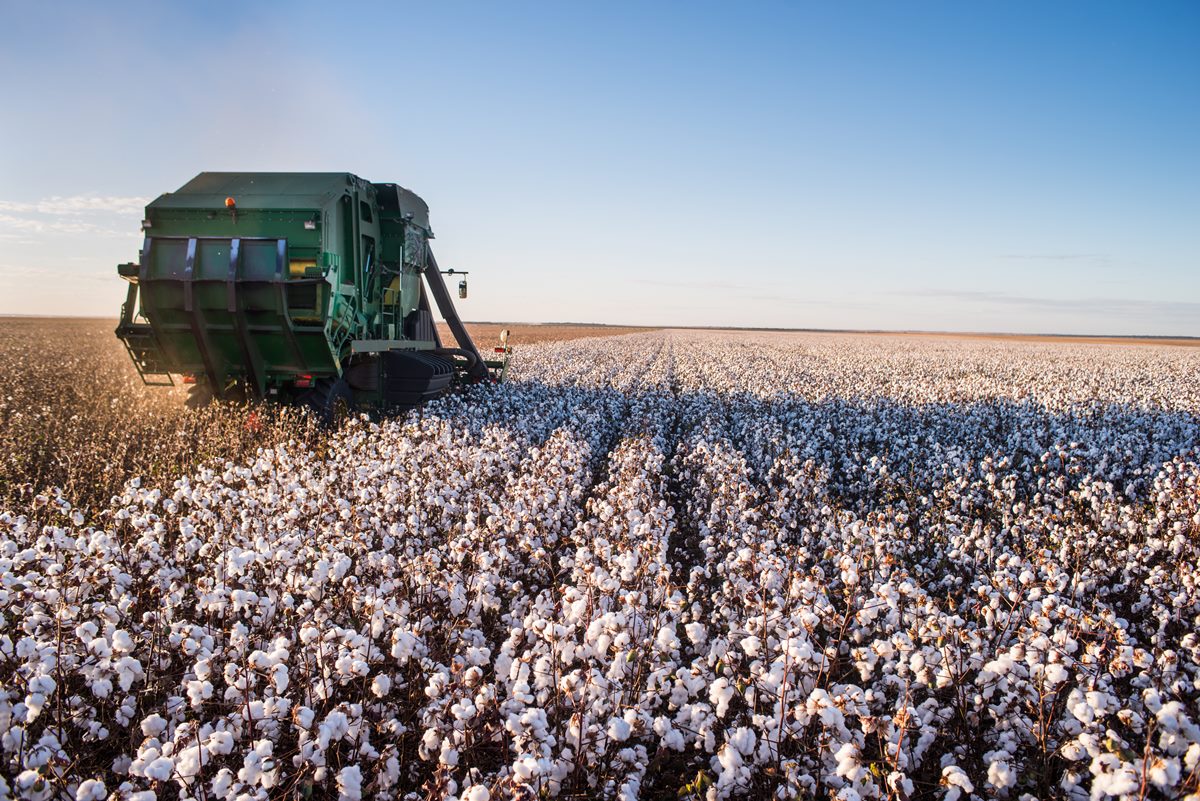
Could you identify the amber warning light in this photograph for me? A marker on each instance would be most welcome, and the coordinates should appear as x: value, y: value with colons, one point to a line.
x: 230, y: 203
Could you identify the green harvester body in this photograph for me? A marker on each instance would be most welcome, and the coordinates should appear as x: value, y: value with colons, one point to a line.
x: 311, y: 287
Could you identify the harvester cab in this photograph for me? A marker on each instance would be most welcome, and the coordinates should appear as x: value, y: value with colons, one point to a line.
x: 312, y: 288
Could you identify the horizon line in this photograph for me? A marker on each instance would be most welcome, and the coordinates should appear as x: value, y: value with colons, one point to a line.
x: 770, y: 329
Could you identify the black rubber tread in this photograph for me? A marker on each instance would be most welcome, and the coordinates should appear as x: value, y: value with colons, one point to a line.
x: 199, y: 395
x: 326, y: 397
x: 411, y: 378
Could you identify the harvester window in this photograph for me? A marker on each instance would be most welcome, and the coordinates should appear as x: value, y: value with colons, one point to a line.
x: 364, y: 211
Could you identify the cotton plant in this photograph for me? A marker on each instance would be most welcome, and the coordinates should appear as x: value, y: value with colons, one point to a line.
x: 705, y: 565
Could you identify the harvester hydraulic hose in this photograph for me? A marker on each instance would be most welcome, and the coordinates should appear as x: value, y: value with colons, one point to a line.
x: 471, y: 357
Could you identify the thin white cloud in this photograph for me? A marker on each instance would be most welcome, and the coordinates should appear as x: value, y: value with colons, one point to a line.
x: 90, y: 215
x: 1100, y: 257
x: 697, y: 284
x: 76, y: 205
x: 56, y: 225
x: 1185, y: 310
x: 19, y: 271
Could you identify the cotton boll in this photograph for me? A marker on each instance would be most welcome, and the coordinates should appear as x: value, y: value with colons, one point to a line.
x: 32, y: 785
x: 128, y: 670
x: 160, y: 769
x: 381, y: 685
x: 525, y: 768
x: 91, y: 790
x: 86, y: 631
x: 666, y: 639
x: 33, y: 706
x: 900, y: 783
x: 849, y: 762
x: 333, y: 728
x: 122, y: 642
x: 222, y: 782
x: 258, y: 766
x: 743, y: 740
x: 430, y: 743
x: 1164, y: 773
x: 721, y: 693
x: 349, y: 783
x: 188, y: 761
x: 220, y: 743
x: 729, y: 758
x: 673, y: 740
x: 153, y: 725
x: 1073, y: 751
x: 1191, y: 759
x: 404, y: 645
x: 1110, y: 777
x: 1055, y: 674
x: 1001, y: 775
x: 279, y: 678
x: 199, y: 692
x: 476, y: 793
x: 303, y: 717
x: 956, y: 782
x: 619, y: 729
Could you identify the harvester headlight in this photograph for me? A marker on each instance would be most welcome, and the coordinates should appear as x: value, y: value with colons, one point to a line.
x: 310, y: 225
x: 145, y: 224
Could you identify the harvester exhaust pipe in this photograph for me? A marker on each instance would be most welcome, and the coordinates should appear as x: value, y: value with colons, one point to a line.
x: 433, y: 276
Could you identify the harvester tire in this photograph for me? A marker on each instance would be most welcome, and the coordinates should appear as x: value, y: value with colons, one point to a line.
x: 331, y: 400
x: 199, y: 395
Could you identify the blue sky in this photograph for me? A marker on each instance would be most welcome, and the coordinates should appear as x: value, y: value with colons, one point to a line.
x: 1027, y: 167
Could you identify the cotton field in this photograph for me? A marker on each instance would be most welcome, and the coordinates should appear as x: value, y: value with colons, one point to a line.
x: 663, y: 565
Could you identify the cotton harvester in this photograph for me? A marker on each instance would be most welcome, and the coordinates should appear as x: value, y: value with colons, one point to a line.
x: 308, y: 288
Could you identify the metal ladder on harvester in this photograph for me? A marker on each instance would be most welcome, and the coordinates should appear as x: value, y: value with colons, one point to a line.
x: 140, y: 342
x: 143, y: 349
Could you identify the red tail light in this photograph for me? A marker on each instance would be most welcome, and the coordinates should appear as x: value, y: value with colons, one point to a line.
x: 303, y: 381
x: 189, y: 379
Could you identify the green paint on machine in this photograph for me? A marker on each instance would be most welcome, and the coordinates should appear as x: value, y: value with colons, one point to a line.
x: 296, y: 287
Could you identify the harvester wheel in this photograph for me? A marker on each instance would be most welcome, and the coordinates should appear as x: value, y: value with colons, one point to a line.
x: 199, y: 395
x: 331, y: 400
